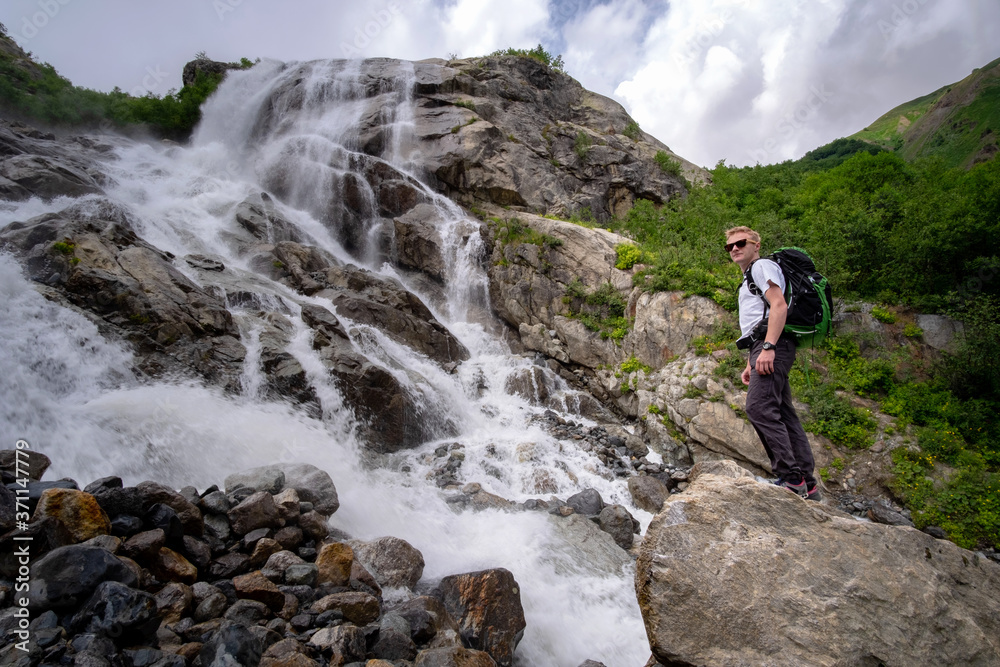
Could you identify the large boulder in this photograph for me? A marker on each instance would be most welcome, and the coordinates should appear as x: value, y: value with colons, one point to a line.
x: 738, y: 572
x: 392, y: 561
x: 487, y: 605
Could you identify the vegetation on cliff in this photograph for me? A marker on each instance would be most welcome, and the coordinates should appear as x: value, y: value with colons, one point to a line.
x: 911, y: 236
x: 38, y: 93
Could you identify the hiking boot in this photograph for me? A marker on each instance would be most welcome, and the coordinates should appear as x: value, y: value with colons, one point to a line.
x: 812, y: 492
x: 800, y: 489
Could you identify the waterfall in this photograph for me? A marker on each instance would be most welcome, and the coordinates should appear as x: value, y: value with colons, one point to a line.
x: 307, y: 134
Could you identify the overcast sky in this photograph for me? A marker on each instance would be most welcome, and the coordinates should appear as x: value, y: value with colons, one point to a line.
x: 743, y: 81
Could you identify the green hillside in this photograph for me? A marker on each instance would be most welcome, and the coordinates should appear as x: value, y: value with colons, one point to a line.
x: 959, y: 123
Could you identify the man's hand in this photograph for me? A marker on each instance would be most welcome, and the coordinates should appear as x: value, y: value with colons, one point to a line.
x: 745, y: 376
x: 765, y: 362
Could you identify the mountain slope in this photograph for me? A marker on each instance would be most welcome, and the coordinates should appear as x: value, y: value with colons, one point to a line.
x: 959, y: 123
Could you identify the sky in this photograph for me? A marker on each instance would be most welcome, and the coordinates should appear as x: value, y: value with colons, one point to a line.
x: 741, y: 81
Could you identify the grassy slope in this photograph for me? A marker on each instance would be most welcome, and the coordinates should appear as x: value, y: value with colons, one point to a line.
x: 959, y: 123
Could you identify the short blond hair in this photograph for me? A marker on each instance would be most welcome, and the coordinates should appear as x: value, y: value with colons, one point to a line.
x: 754, y: 236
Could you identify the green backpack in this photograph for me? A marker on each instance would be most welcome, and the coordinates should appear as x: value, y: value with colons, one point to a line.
x: 807, y: 293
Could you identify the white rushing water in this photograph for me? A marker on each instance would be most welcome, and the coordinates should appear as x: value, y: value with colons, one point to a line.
x: 71, y: 394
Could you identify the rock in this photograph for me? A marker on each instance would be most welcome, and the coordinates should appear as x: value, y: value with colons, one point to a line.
x: 247, y: 612
x: 163, y: 517
x: 345, y: 641
x: 306, y: 574
x: 453, y: 657
x: 152, y: 493
x: 254, y: 586
x: 366, y: 298
x: 429, y: 621
x: 48, y: 178
x: 616, y: 521
x: 46, y: 535
x: 257, y: 511
x: 314, y: 525
x: 394, y: 645
x: 66, y: 576
x: 278, y: 563
x: 358, y: 608
x: 116, y: 610
x: 171, y: 566
x: 392, y: 561
x: 36, y: 489
x: 262, y: 551
x: 8, y: 509
x: 940, y: 332
x: 334, y: 564
x: 487, y: 606
x: 233, y: 644
x: 228, y: 565
x: 24, y: 460
x: 723, y: 432
x: 78, y: 511
x: 267, y: 478
x: 880, y: 512
x: 144, y: 546
x: 587, y: 502
x: 418, y: 241
x: 866, y: 593
x: 258, y: 215
x: 312, y: 485
x: 647, y: 492
x: 173, y: 601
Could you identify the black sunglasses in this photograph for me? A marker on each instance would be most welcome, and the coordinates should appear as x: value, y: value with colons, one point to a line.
x: 735, y: 244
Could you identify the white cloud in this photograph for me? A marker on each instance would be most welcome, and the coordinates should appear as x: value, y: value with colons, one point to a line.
x: 600, y: 43
x: 475, y: 28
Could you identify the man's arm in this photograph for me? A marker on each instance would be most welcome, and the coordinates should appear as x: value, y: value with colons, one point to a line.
x: 777, y: 314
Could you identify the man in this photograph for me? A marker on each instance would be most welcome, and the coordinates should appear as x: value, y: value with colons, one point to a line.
x: 769, y: 397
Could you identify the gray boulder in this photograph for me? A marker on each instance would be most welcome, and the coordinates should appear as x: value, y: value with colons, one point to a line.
x: 779, y: 579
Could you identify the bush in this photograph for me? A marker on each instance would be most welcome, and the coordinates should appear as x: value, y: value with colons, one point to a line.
x: 632, y: 130
x: 627, y: 256
x: 538, y: 53
x: 582, y: 144
x: 668, y: 164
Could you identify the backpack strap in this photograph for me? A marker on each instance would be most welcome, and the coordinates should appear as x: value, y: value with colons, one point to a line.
x: 752, y: 286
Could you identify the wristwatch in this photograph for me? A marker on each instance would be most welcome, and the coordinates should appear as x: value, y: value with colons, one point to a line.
x: 768, y: 346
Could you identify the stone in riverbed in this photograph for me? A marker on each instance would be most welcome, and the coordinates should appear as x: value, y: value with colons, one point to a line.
x: 358, y: 608
x: 257, y: 511
x: 616, y: 521
x: 487, y: 605
x: 392, y: 561
x: 66, y: 576
x: 116, y: 610
x: 345, y: 641
x: 255, y: 586
x: 78, y: 510
x: 334, y: 564
x: 455, y: 656
x: 233, y: 644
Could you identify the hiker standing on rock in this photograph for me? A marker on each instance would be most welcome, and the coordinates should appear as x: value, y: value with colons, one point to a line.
x: 772, y: 353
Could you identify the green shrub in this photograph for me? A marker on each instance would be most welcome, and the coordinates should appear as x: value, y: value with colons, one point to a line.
x: 632, y: 364
x: 883, y: 315
x: 912, y: 331
x: 582, y: 144
x: 632, y: 130
x: 627, y: 256
x: 668, y: 164
x: 538, y: 53
x: 466, y: 104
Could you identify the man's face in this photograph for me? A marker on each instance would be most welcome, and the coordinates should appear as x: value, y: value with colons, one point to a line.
x: 741, y: 247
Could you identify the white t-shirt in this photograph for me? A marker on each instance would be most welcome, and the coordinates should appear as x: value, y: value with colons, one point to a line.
x: 751, y: 306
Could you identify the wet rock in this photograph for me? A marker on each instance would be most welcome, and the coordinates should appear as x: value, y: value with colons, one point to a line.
x: 487, y: 606
x: 144, y: 546
x: 278, y: 563
x: 392, y: 561
x: 254, y: 586
x: 455, y: 656
x: 647, y: 492
x: 118, y: 611
x: 228, y: 565
x: 267, y: 478
x: 587, y: 502
x: 66, y: 576
x: 168, y: 565
x: 152, y: 493
x: 232, y: 644
x: 334, y: 564
x: 358, y: 608
x: 247, y: 612
x: 616, y: 521
x: 257, y: 511
x: 344, y: 641
x: 13, y: 461
x: 394, y: 645
x: 48, y: 178
x: 173, y: 601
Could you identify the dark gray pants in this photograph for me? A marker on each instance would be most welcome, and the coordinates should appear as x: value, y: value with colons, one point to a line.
x: 769, y: 408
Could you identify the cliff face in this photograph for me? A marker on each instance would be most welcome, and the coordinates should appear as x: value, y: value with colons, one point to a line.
x: 507, y: 131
